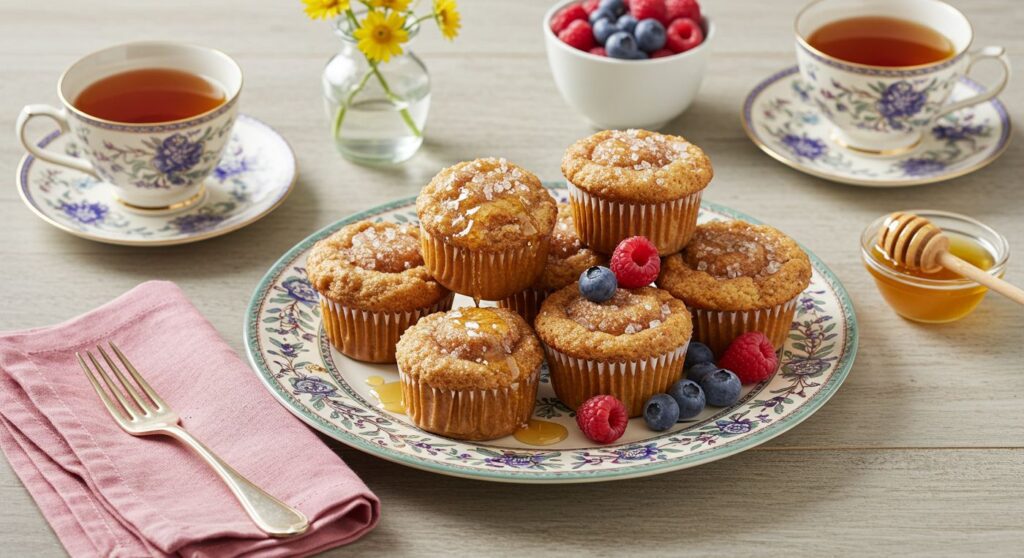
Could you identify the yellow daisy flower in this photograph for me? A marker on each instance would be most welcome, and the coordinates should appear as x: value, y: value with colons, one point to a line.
x: 448, y: 18
x: 380, y: 37
x: 393, y: 5
x: 324, y: 9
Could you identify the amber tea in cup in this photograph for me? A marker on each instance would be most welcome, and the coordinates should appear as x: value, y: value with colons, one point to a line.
x: 150, y: 95
x: 881, y: 41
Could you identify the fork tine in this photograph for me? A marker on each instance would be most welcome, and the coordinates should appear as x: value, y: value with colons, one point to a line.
x: 110, y: 385
x: 145, y: 406
x: 113, y: 409
x: 160, y: 404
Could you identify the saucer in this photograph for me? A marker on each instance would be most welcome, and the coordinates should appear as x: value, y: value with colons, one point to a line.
x: 254, y: 176
x: 782, y: 120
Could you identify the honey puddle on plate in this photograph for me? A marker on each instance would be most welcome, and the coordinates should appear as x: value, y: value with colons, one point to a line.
x: 388, y: 394
x: 536, y: 432
x: 541, y: 433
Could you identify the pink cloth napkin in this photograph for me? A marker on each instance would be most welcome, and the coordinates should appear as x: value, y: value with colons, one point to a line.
x: 107, y: 493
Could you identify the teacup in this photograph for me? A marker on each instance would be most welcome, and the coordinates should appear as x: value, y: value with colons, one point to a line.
x: 152, y: 166
x: 884, y: 110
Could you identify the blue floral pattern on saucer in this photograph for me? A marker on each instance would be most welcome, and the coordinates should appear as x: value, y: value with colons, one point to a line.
x: 254, y: 175
x: 780, y: 117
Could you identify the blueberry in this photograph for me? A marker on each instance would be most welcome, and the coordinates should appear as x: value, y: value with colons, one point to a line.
x: 699, y: 370
x: 661, y: 412
x: 650, y: 35
x: 689, y: 397
x: 616, y: 7
x: 626, y: 23
x: 721, y: 387
x: 640, y: 55
x: 600, y: 14
x: 603, y: 29
x: 598, y: 284
x: 697, y: 352
x: 621, y: 45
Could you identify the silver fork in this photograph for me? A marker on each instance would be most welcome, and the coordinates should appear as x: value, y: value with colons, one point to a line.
x: 150, y: 415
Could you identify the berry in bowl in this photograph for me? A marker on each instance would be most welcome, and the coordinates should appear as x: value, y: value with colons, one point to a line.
x: 628, y: 64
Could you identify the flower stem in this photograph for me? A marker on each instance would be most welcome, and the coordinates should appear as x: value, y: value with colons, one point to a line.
x: 406, y: 116
x: 343, y: 107
x: 395, y: 99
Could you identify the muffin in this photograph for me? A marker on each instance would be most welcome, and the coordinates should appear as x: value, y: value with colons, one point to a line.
x: 737, y: 277
x: 485, y: 228
x: 372, y: 286
x: 635, y: 183
x: 470, y: 373
x: 567, y: 259
x: 631, y: 346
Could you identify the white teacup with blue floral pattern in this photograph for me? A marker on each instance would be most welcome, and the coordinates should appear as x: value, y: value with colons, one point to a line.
x: 150, y: 166
x: 884, y: 110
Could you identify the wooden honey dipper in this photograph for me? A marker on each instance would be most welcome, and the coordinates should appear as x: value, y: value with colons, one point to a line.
x: 916, y: 243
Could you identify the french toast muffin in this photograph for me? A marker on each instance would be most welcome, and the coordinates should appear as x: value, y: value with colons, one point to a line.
x: 736, y: 277
x: 635, y: 183
x: 567, y: 259
x: 372, y: 286
x: 485, y: 228
x: 631, y: 346
x: 470, y: 373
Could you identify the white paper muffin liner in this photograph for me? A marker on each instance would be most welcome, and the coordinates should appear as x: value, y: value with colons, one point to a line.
x: 526, y: 302
x: 717, y: 328
x: 469, y: 414
x: 371, y: 336
x: 602, y: 223
x: 633, y: 382
x: 483, y: 275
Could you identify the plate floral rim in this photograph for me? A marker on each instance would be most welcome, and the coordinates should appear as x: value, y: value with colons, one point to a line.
x: 746, y: 119
x: 843, y: 364
x: 24, y: 167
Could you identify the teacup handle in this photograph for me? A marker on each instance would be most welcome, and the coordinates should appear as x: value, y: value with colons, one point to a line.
x: 58, y: 115
x: 996, y: 53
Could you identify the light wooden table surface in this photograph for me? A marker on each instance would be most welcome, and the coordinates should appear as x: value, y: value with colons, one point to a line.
x: 920, y: 452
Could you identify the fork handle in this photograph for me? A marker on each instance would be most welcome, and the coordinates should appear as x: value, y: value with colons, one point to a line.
x: 273, y: 516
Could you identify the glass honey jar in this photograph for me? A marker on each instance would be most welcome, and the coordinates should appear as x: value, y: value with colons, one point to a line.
x: 942, y: 296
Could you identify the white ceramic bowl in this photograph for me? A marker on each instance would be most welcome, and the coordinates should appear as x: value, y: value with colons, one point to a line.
x: 615, y: 94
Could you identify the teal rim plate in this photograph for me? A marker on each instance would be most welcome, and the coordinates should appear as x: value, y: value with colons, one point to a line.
x: 290, y: 353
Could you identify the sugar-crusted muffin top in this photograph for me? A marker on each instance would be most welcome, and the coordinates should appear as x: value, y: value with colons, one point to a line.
x: 486, y: 204
x: 733, y: 265
x: 373, y: 266
x: 634, y: 324
x: 637, y: 166
x: 470, y: 348
x: 567, y: 257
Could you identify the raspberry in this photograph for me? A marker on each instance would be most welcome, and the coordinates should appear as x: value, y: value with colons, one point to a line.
x: 598, y: 51
x: 590, y: 5
x: 675, y: 9
x: 661, y: 53
x: 602, y: 418
x: 578, y: 35
x: 635, y: 262
x: 751, y: 357
x: 648, y: 9
x: 683, y: 34
x: 568, y: 15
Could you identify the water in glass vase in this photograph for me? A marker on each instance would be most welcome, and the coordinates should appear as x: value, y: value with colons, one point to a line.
x: 376, y: 114
x: 375, y: 131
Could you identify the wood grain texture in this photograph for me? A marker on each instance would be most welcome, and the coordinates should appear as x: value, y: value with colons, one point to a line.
x: 920, y: 452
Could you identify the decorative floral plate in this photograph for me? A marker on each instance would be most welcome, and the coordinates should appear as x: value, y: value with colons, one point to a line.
x: 783, y: 121
x: 254, y: 176
x: 290, y: 353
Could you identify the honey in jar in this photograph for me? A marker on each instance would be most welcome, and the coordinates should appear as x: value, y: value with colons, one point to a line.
x: 937, y: 297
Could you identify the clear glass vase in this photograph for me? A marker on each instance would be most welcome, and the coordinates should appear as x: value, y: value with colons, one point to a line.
x: 376, y: 114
